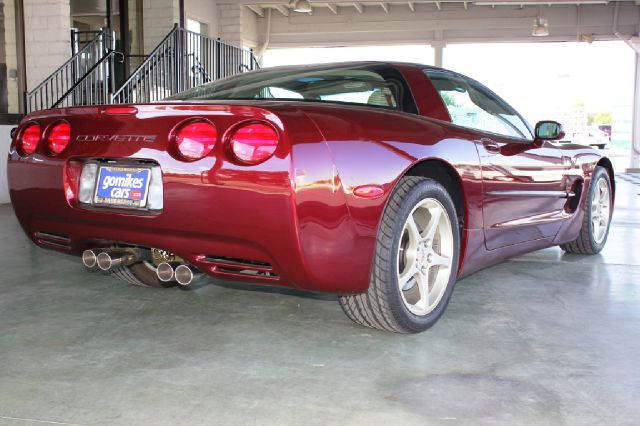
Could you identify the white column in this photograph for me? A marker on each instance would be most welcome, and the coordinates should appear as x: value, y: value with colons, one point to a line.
x: 438, y: 50
x: 158, y: 17
x: 47, y: 38
x: 635, y: 138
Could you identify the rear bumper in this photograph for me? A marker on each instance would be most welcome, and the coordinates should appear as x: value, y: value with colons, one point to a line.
x: 201, y: 221
x: 240, y: 225
x: 290, y: 214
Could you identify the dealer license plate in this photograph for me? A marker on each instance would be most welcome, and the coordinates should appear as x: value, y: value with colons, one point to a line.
x: 122, y: 186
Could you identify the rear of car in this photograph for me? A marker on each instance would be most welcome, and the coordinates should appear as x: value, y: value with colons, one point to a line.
x: 214, y: 178
x: 155, y: 175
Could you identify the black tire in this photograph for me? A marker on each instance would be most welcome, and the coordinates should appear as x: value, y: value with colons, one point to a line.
x: 140, y: 274
x: 382, y: 306
x: 586, y: 243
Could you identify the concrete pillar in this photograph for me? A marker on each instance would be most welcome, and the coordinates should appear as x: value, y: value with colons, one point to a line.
x: 635, y: 139
x: 438, y: 50
x: 158, y: 17
x: 237, y: 25
x: 47, y: 38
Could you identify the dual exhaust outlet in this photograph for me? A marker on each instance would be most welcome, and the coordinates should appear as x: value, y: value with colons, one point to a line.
x: 181, y: 273
x: 107, y: 259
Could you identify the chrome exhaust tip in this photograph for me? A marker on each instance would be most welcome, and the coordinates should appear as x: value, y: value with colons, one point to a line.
x: 184, y: 275
x: 89, y: 259
x: 104, y: 261
x: 165, y: 272
x: 114, y: 258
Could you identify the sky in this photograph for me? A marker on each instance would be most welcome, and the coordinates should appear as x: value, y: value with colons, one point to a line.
x: 540, y: 80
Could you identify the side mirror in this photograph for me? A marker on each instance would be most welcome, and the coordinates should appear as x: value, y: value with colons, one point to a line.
x: 549, y: 130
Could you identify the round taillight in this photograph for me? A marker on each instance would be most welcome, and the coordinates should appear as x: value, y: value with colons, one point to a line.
x: 58, y: 137
x: 195, y: 140
x: 29, y: 138
x: 254, y: 143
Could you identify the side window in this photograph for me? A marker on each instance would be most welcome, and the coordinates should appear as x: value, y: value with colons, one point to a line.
x: 472, y: 105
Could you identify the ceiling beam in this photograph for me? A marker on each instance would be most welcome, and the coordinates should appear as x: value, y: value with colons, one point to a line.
x: 333, y: 8
x: 282, y: 9
x: 256, y: 9
x: 358, y: 7
x: 384, y: 7
x: 412, y: 6
x: 438, y: 5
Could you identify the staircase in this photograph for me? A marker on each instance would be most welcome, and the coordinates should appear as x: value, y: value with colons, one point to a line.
x: 182, y: 60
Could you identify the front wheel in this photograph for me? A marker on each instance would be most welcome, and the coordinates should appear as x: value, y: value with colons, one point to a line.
x: 597, y: 216
x: 415, y: 262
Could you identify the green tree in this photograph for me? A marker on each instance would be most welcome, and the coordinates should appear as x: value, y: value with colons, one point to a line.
x: 599, y: 118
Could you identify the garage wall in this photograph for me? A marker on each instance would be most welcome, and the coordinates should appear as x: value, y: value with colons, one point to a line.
x: 205, y: 11
x: 158, y: 18
x: 237, y: 25
x: 46, y: 27
x: 5, y: 141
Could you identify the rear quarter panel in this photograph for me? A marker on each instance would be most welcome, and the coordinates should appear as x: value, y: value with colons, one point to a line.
x: 373, y: 146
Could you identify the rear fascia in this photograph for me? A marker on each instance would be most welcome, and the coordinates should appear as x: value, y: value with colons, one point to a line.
x: 213, y: 208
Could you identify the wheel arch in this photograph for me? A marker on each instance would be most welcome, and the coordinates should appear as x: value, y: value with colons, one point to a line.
x: 606, y: 163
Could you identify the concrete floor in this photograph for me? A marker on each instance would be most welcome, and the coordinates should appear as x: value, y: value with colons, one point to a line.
x: 545, y: 338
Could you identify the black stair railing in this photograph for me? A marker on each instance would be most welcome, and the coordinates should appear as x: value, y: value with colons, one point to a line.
x: 183, y: 59
x: 58, y: 86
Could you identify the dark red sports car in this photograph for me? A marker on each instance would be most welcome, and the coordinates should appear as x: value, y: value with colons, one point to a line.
x: 381, y: 182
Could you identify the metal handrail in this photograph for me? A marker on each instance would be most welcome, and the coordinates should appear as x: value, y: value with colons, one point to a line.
x: 183, y: 59
x: 95, y: 87
x: 55, y: 87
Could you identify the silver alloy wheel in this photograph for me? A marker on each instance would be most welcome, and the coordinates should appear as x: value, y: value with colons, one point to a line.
x: 425, y: 255
x: 600, y: 210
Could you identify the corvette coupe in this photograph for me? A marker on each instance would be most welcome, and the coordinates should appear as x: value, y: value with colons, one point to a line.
x: 381, y: 182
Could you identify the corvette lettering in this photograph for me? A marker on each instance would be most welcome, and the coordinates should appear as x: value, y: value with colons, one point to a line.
x: 116, y: 138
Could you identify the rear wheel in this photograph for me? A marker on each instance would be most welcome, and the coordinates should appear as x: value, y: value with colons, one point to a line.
x: 415, y: 262
x: 597, y: 217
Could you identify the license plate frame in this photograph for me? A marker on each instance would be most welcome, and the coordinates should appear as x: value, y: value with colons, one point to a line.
x: 123, y: 171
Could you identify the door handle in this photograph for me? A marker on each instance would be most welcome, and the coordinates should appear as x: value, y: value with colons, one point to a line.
x: 490, y: 145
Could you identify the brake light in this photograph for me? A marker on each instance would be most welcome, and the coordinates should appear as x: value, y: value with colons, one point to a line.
x: 254, y: 143
x: 195, y: 139
x: 58, y: 137
x: 120, y: 110
x: 29, y: 139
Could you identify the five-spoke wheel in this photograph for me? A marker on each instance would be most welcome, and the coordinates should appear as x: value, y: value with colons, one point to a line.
x: 600, y: 209
x: 424, y: 256
x: 597, y: 216
x: 415, y: 262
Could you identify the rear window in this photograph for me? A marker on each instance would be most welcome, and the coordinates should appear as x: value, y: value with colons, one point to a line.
x: 375, y: 86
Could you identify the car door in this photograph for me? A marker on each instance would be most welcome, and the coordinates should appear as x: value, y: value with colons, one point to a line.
x: 524, y: 181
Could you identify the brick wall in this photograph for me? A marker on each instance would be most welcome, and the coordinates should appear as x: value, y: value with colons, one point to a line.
x: 47, y: 38
x: 158, y: 18
x: 230, y: 23
x: 237, y: 25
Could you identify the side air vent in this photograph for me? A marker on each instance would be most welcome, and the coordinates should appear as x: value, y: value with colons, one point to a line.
x: 56, y: 241
x: 241, y: 267
x: 572, y: 203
